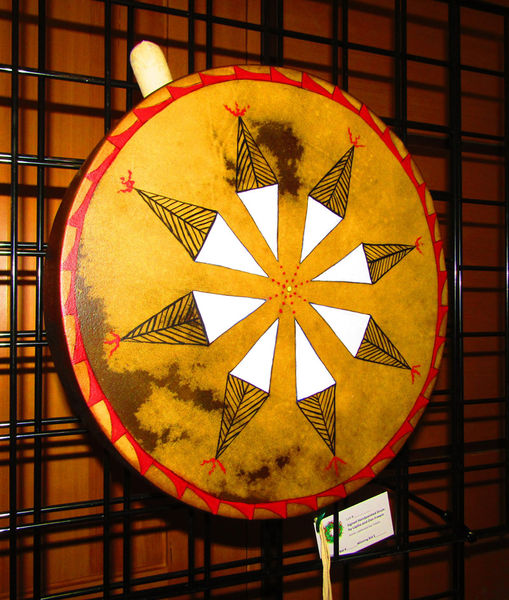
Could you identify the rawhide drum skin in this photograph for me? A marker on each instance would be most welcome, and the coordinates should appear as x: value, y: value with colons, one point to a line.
x: 246, y: 291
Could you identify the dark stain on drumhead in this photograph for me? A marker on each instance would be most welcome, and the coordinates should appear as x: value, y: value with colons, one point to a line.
x: 203, y: 399
x: 261, y: 473
x: 225, y: 494
x: 252, y: 496
x: 254, y: 476
x: 229, y: 496
x: 169, y: 438
x: 282, y: 461
x: 133, y: 388
x: 282, y: 142
x: 232, y: 170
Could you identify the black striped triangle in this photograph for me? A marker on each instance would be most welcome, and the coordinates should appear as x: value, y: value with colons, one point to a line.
x: 253, y: 171
x: 190, y: 224
x: 382, y: 257
x: 332, y: 190
x: 377, y: 347
x: 320, y: 410
x: 177, y: 323
x: 242, y: 401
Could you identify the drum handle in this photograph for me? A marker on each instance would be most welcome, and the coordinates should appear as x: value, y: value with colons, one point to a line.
x: 150, y: 67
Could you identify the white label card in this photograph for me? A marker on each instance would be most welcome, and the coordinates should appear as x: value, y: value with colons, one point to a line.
x: 360, y: 526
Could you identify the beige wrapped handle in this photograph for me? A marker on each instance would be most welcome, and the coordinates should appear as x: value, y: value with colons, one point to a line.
x: 150, y: 67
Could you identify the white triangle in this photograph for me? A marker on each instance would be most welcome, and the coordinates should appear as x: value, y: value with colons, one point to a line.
x: 349, y: 326
x: 320, y: 221
x: 262, y: 205
x: 310, y: 372
x: 220, y: 312
x: 353, y: 268
x: 223, y: 248
x: 256, y: 366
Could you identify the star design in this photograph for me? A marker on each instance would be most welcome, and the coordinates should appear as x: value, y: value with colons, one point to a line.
x: 199, y: 318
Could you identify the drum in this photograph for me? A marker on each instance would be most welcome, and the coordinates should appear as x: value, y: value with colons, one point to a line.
x: 246, y: 291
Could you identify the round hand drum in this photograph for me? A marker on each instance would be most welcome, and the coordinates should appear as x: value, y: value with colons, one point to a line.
x: 246, y: 291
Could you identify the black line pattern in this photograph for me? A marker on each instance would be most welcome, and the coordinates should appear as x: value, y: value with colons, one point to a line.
x: 177, y: 323
x: 382, y: 257
x: 241, y: 403
x: 377, y: 347
x: 320, y: 410
x: 190, y: 224
x: 253, y: 171
x: 332, y: 190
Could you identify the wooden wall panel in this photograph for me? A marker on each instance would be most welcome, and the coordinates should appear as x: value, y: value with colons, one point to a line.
x: 73, y: 464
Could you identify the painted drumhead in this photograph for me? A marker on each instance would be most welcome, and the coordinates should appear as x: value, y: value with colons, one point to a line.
x: 246, y: 290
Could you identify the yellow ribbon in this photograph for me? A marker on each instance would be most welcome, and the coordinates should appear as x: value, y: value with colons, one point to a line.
x: 324, y: 548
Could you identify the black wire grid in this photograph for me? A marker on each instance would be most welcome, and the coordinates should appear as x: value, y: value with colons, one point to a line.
x: 116, y: 516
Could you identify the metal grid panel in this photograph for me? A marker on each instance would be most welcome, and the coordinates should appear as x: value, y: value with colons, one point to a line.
x: 28, y: 437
